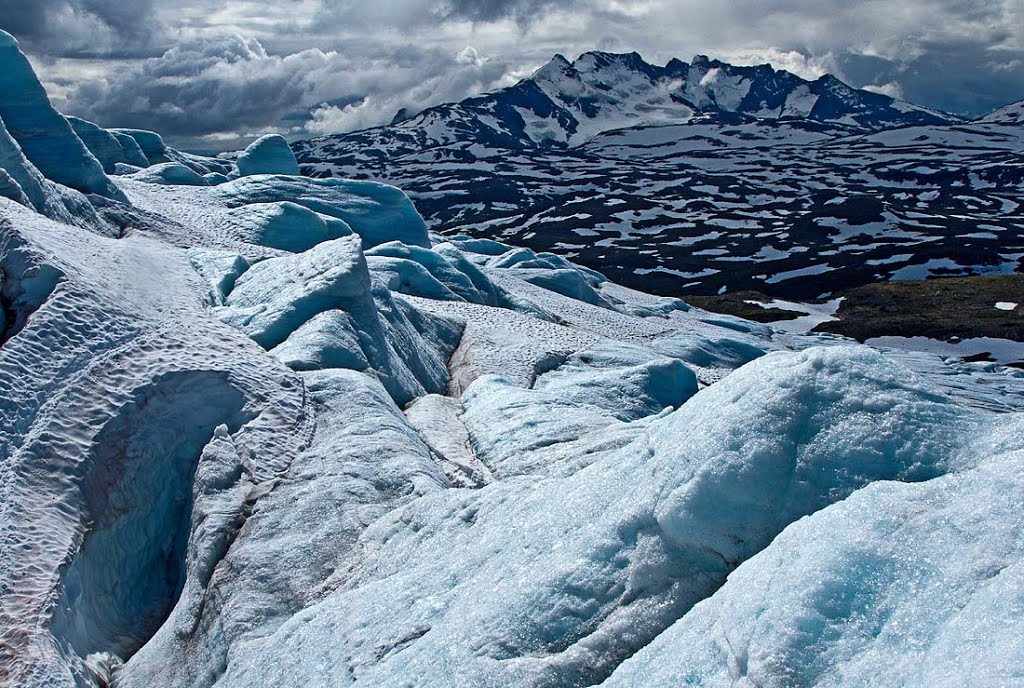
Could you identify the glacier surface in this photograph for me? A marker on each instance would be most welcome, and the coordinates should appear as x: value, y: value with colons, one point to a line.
x: 265, y: 430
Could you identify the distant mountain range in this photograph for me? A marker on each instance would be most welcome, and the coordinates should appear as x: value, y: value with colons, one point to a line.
x: 566, y: 104
x: 704, y: 177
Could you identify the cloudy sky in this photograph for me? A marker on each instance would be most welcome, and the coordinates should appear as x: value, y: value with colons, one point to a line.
x: 211, y: 73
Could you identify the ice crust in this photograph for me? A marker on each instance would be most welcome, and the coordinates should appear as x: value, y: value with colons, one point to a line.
x: 287, y: 226
x: 554, y: 577
x: 270, y: 431
x: 573, y: 516
x: 898, y: 585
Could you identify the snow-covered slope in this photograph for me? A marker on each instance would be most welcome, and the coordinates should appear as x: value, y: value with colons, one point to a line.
x: 1011, y: 115
x: 271, y: 431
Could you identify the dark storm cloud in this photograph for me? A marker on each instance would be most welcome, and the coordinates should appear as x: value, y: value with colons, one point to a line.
x: 230, y: 84
x: 407, y: 13
x: 82, y: 27
x: 490, y: 10
x: 25, y: 18
x: 964, y: 77
x: 236, y: 67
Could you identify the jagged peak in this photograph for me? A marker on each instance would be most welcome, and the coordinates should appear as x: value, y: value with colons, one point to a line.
x: 559, y: 61
x: 600, y: 56
x: 402, y: 115
x: 556, y: 66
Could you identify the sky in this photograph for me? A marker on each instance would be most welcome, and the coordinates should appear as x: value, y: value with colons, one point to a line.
x: 212, y: 74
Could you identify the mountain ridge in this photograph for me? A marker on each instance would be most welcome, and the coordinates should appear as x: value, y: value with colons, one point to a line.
x: 564, y: 104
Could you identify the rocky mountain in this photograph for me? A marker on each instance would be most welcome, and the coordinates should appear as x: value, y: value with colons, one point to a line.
x: 705, y: 177
x: 259, y: 429
x: 565, y: 104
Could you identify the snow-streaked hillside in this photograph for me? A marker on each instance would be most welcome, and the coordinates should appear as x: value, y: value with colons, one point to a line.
x: 703, y: 177
x: 260, y: 429
x: 791, y: 208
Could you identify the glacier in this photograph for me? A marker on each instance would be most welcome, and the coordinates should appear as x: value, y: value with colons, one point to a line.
x: 260, y: 429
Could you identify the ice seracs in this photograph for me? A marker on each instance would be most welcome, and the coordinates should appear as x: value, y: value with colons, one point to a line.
x: 24, y: 183
x: 149, y: 143
x: 287, y: 226
x: 110, y: 147
x: 44, y: 135
x: 866, y: 592
x: 173, y: 173
x: 465, y: 477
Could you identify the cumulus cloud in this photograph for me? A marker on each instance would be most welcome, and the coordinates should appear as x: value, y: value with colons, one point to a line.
x: 243, y: 66
x: 891, y: 89
x: 217, y: 86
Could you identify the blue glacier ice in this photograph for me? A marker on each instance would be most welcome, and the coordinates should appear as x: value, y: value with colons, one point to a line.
x: 379, y: 213
x: 25, y: 184
x: 220, y: 268
x: 901, y: 584
x: 286, y: 226
x: 44, y: 135
x: 147, y: 148
x: 150, y: 144
x: 214, y: 178
x: 275, y: 296
x: 130, y: 150
x: 554, y: 576
x: 11, y: 189
x: 310, y: 307
x: 268, y: 154
x: 106, y: 146
x: 361, y: 486
x: 170, y: 173
x: 428, y: 273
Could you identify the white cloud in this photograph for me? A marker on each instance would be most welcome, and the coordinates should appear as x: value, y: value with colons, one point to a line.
x: 891, y: 89
x: 228, y: 84
x: 469, y: 55
x: 794, y: 61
